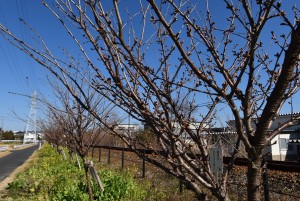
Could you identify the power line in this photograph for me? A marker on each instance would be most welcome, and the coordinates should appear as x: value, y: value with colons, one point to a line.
x: 11, y: 57
x: 23, y: 14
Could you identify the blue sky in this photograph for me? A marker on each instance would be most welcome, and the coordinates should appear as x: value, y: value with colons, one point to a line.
x: 20, y: 74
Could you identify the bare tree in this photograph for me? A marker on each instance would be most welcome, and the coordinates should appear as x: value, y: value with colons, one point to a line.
x: 52, y: 133
x: 76, y: 128
x: 152, y: 59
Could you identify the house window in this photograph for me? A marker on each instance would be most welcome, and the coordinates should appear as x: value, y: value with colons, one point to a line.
x: 283, y: 143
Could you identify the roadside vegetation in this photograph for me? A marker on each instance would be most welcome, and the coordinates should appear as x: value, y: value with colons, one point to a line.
x: 53, y: 178
x: 182, y: 68
x: 50, y: 177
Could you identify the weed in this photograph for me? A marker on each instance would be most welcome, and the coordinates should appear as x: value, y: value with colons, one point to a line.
x: 52, y: 178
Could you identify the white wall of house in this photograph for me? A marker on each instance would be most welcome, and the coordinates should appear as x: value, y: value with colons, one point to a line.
x: 278, y: 149
x: 30, y: 137
x: 282, y: 147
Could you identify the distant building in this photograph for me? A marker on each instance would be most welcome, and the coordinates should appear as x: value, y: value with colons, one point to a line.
x: 224, y: 139
x: 285, y: 146
x: 30, y: 137
x: 193, y: 126
x: 129, y: 130
x: 19, y: 135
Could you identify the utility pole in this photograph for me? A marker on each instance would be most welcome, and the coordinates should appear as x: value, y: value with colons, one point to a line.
x: 1, y: 131
x: 292, y: 110
x: 129, y: 133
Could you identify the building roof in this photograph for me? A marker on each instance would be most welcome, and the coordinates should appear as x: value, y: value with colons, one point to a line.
x: 289, y: 114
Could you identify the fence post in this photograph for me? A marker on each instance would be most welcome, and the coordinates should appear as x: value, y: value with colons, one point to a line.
x: 93, y: 152
x: 108, y: 158
x: 144, y: 168
x: 122, y: 158
x: 180, y: 186
x: 266, y: 180
x: 99, y: 154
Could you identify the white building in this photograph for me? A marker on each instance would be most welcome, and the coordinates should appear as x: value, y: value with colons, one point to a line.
x: 193, y: 126
x: 30, y: 137
x: 129, y: 130
x: 286, y: 145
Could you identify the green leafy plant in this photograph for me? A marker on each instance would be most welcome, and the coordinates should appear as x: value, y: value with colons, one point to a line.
x: 53, y: 178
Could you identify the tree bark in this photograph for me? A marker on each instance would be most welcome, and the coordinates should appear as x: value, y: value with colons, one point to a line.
x: 219, y: 194
x: 254, y: 180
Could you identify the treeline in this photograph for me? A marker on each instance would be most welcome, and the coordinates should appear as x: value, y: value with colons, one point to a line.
x: 8, y: 135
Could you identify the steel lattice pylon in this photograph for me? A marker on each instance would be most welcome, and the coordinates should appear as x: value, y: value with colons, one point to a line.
x: 30, y: 132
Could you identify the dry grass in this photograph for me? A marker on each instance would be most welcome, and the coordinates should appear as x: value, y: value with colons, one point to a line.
x: 160, y: 185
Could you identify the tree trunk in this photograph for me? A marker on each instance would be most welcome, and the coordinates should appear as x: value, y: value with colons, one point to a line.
x: 221, y: 196
x: 254, y: 180
x: 201, y: 197
x: 88, y: 179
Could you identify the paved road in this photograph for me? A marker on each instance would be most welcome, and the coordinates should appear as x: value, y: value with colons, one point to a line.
x: 10, y: 162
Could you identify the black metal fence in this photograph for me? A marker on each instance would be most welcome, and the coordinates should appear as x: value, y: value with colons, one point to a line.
x: 121, y: 157
x: 285, y: 166
x: 273, y: 165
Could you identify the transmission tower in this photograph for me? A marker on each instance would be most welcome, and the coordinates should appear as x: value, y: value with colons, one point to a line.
x: 30, y: 132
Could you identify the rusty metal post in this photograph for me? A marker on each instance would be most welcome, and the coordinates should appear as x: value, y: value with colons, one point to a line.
x: 108, y: 158
x: 180, y: 186
x: 99, y: 155
x: 266, y: 180
x: 144, y: 166
x: 122, y: 158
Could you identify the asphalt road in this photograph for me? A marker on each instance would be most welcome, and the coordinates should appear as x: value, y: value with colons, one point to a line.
x: 13, y: 160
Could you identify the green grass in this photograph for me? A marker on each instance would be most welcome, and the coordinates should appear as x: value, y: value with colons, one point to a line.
x: 52, y: 178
